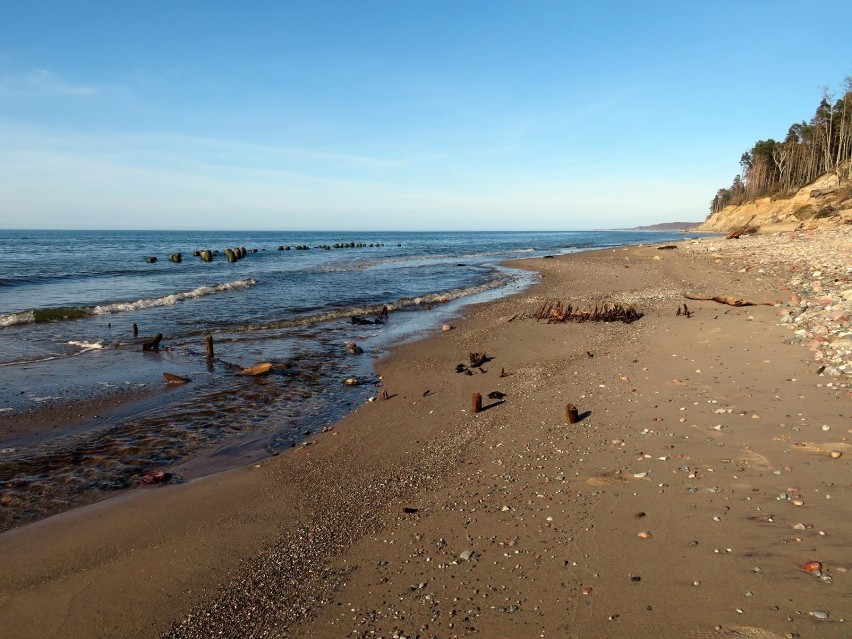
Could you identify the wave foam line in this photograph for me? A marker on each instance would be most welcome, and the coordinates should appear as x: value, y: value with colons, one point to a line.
x: 60, y: 313
x: 87, y: 346
x: 174, y: 298
x: 374, y: 309
x: 27, y: 317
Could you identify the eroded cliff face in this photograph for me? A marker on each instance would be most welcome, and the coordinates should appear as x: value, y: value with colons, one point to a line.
x: 822, y: 203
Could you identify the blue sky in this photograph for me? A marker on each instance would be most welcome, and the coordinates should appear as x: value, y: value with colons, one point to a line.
x: 397, y: 114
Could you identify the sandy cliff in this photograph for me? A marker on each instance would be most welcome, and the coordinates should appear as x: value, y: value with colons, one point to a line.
x: 821, y: 203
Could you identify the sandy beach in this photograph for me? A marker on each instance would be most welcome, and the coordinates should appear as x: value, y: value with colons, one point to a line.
x: 685, y: 503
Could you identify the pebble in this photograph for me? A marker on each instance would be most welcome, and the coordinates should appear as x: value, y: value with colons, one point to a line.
x: 819, y: 310
x: 835, y: 454
x: 466, y: 555
x: 644, y: 535
x: 820, y: 614
x: 640, y: 475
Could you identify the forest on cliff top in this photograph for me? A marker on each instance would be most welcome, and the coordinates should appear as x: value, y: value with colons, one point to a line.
x: 811, y: 149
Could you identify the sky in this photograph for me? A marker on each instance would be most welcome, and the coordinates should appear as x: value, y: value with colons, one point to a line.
x: 396, y: 114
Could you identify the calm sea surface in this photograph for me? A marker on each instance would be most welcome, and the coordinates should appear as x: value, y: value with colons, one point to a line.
x: 68, y: 300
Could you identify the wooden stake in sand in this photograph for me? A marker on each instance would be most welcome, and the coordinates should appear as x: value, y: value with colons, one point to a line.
x: 209, y: 343
x: 571, y: 414
x: 476, y: 402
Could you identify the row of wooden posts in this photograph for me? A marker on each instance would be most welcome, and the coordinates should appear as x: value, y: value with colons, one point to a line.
x: 572, y: 415
x: 238, y: 253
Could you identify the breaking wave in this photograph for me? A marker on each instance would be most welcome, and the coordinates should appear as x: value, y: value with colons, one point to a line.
x: 365, y: 309
x: 61, y: 313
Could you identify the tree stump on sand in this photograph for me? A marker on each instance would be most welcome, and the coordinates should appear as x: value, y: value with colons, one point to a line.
x: 572, y: 416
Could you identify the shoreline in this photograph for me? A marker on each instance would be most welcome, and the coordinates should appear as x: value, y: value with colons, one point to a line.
x: 173, y: 549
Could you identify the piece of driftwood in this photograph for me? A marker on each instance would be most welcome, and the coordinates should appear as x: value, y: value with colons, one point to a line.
x: 477, y: 359
x: 745, y: 229
x: 257, y: 369
x: 175, y: 379
x: 476, y: 403
x: 667, y: 247
x: 152, y: 344
x: 824, y: 192
x: 384, y: 395
x: 556, y: 312
x: 572, y: 416
x: 685, y: 312
x: 726, y: 299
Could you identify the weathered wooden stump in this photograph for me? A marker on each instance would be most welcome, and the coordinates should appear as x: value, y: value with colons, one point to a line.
x: 153, y: 344
x: 572, y: 416
x: 476, y: 403
x: 208, y: 342
x: 134, y: 329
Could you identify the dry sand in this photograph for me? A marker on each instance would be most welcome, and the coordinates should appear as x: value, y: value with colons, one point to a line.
x: 415, y: 518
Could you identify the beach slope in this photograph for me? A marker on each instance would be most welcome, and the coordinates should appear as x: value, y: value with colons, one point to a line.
x: 684, y: 503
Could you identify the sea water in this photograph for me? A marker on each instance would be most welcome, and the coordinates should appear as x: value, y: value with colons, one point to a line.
x: 69, y: 300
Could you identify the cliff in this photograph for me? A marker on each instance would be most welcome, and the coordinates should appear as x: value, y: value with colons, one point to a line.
x: 821, y: 203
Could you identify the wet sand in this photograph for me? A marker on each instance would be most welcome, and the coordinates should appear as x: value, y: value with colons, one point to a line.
x: 413, y: 517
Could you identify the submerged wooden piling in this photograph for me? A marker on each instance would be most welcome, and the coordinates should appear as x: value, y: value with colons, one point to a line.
x: 152, y: 344
x: 208, y: 341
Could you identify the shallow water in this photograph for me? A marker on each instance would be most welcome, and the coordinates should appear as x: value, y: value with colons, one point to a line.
x: 68, y: 301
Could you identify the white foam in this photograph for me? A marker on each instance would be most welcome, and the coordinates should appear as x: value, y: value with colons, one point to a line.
x: 87, y: 346
x: 174, y: 298
x: 12, y: 319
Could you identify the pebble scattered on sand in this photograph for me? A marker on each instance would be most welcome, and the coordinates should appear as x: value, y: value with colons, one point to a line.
x: 815, y: 267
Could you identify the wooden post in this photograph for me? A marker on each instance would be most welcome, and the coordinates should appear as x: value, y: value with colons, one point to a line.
x: 209, y: 342
x: 571, y: 415
x: 135, y: 329
x: 477, y: 403
x: 153, y: 344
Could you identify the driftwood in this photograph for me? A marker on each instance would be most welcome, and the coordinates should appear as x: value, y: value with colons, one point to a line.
x: 685, y: 312
x: 824, y: 192
x: 555, y: 312
x: 745, y: 229
x: 175, y: 379
x: 477, y: 359
x: 727, y: 299
x: 257, y: 369
x: 153, y: 344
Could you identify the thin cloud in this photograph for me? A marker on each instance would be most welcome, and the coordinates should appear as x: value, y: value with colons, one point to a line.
x: 44, y: 82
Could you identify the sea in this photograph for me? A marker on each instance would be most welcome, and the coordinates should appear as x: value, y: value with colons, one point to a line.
x: 75, y: 307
